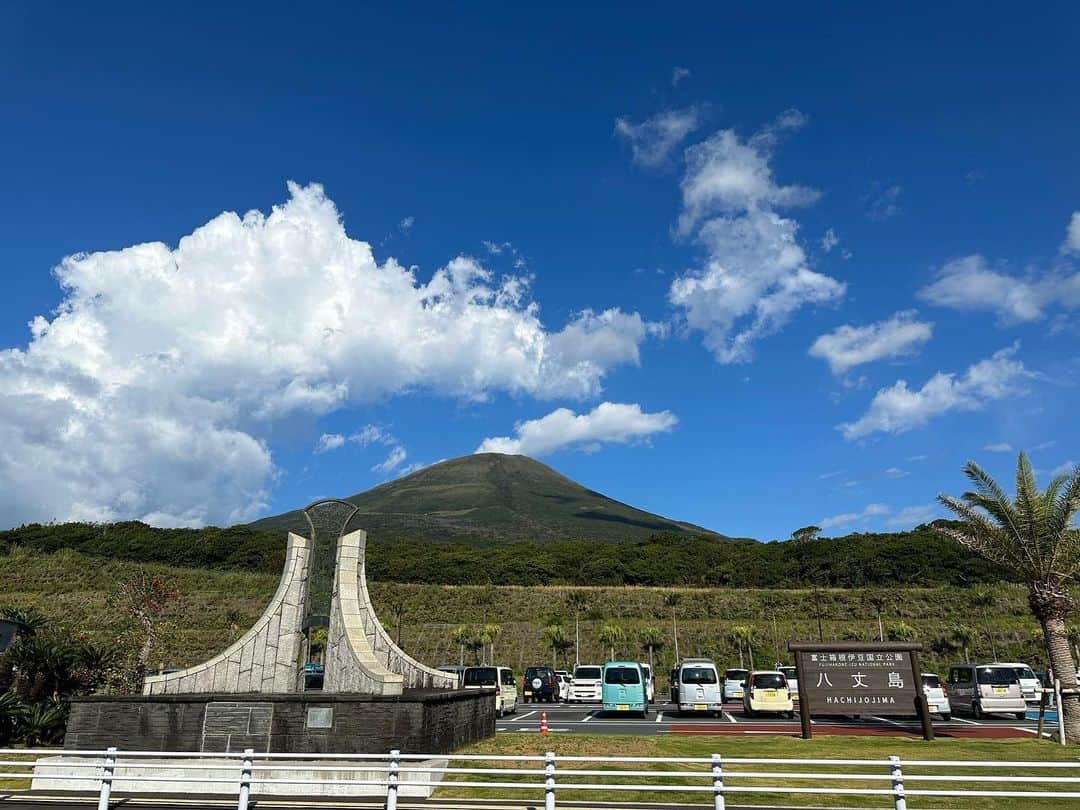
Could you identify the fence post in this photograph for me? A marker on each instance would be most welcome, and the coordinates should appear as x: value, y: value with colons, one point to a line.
x: 1060, y: 710
x: 246, y: 766
x: 718, y: 782
x: 392, y: 779
x: 549, y: 780
x: 107, y: 772
x: 899, y: 802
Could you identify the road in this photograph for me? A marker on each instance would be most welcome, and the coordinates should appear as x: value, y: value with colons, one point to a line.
x: 588, y: 719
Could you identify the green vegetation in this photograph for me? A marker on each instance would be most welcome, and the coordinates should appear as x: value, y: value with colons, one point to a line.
x: 768, y: 747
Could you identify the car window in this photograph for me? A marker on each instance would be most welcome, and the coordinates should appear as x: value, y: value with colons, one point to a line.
x: 789, y: 672
x: 622, y: 675
x: 931, y: 681
x: 769, y: 681
x: 698, y: 675
x: 1024, y: 672
x: 736, y: 674
x: 480, y: 676
x: 508, y: 677
x: 587, y: 673
x: 997, y: 676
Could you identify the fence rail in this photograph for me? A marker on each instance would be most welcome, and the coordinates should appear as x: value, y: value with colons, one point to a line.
x: 891, y: 780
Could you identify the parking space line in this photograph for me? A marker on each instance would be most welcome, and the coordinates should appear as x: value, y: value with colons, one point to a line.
x: 962, y: 720
x: 589, y: 717
x: 527, y: 714
x: 730, y: 717
x: 659, y: 716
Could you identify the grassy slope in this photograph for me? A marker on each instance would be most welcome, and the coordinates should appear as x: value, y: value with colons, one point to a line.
x: 215, y: 607
x: 492, y: 497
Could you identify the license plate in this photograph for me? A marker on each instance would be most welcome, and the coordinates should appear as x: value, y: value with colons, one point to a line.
x: 739, y: 694
x: 1001, y: 690
x: 527, y: 693
x: 623, y: 707
x: 770, y: 693
x: 700, y: 707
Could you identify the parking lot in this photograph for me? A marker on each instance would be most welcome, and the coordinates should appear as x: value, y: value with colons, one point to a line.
x: 588, y: 719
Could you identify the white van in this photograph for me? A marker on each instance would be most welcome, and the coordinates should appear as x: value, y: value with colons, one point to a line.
x: 936, y: 698
x: 501, y: 679
x: 697, y: 686
x: 1030, y: 686
x: 985, y: 689
x: 586, y: 685
x: 650, y: 685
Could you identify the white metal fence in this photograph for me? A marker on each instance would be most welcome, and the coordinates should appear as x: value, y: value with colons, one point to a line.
x: 713, y: 780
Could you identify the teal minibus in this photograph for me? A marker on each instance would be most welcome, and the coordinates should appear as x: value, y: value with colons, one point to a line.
x: 623, y: 688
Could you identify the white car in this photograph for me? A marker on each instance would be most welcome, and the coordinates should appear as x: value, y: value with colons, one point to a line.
x: 564, y: 679
x: 936, y: 698
x: 650, y: 685
x: 1030, y: 686
x: 586, y: 687
x: 792, y: 681
x: 501, y: 679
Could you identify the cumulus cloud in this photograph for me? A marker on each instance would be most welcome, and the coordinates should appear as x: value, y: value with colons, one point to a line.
x: 678, y: 74
x: 328, y: 442
x: 969, y: 283
x: 1072, y: 235
x: 871, y: 510
x: 849, y: 346
x: 998, y: 447
x: 148, y: 392
x: 607, y: 423
x: 829, y: 240
x: 652, y: 141
x: 897, y: 409
x: 756, y: 275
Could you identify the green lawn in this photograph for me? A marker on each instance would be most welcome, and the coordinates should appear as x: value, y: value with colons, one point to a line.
x: 779, y: 747
x: 14, y: 784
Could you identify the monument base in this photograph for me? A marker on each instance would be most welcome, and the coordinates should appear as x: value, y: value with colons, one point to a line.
x: 416, y: 722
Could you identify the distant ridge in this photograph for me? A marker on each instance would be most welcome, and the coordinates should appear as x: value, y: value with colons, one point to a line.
x: 492, y: 498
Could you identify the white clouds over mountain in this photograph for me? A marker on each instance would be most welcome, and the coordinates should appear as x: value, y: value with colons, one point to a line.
x: 849, y: 346
x: 898, y: 408
x: 607, y: 423
x: 149, y: 392
x: 756, y: 275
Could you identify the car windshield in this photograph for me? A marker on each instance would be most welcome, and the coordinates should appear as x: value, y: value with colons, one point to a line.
x: 736, y: 674
x: 587, y: 674
x: 480, y: 676
x: 622, y: 675
x: 769, y: 681
x: 997, y: 676
x: 789, y: 672
x: 1025, y: 673
x: 931, y: 681
x: 698, y: 675
x: 534, y: 672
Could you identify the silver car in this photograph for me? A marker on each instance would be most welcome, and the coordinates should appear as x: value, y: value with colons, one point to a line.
x: 980, y: 689
x: 735, y: 684
x: 697, y: 687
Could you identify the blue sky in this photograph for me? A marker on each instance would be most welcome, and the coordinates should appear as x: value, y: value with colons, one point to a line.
x: 751, y: 268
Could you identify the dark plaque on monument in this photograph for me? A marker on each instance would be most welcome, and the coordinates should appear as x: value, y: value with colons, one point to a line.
x: 860, y: 678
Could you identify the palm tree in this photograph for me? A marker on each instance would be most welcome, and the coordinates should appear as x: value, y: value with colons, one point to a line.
x: 743, y: 635
x: 461, y: 636
x: 489, y: 635
x: 1074, y: 641
x: 652, y: 639
x: 1033, y: 538
x: 556, y: 637
x: 984, y: 600
x: 397, y: 604
x: 962, y: 636
x: 577, y: 602
x: 879, y: 601
x: 611, y: 636
x: 672, y: 601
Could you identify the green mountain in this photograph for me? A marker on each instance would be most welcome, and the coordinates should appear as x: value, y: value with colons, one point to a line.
x: 488, y: 498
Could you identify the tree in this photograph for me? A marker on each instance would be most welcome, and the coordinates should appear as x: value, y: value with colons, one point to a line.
x: 652, y: 639
x: 556, y: 639
x: 398, y: 605
x: 461, y: 637
x: 611, y: 636
x: 672, y: 601
x: 143, y: 599
x: 743, y: 635
x: 879, y: 601
x: 489, y: 635
x: 962, y: 636
x: 577, y: 602
x: 1032, y: 538
x: 805, y: 534
x: 985, y: 600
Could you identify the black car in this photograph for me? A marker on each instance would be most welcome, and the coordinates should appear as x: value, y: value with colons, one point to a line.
x: 540, y: 685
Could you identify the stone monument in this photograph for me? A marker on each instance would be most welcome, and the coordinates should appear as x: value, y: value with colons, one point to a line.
x: 374, y: 696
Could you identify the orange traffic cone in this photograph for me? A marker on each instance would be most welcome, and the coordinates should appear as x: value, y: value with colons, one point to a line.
x: 543, y: 723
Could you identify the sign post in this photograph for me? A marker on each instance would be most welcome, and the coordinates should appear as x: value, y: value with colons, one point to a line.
x: 859, y: 678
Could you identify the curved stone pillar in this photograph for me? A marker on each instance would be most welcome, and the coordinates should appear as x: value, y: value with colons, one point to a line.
x: 360, y: 655
x: 267, y: 657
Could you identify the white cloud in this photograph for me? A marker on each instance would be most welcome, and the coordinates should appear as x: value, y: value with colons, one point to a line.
x: 147, y: 393
x: 850, y: 346
x: 920, y: 457
x: 1063, y: 469
x: 406, y: 224
x: 607, y: 423
x: 999, y: 447
x: 328, y: 442
x: 897, y: 408
x: 883, y: 204
x: 969, y: 283
x: 756, y: 275
x: 1044, y: 445
x: 911, y: 516
x: 1072, y: 234
x: 678, y: 74
x: 652, y: 141
x: 394, y: 459
x: 829, y: 240
x: 895, y: 472
x: 871, y: 510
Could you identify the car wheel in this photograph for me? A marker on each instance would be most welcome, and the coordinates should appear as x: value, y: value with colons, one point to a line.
x: 1021, y: 715
x: 790, y: 715
x: 976, y: 711
x: 946, y: 716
